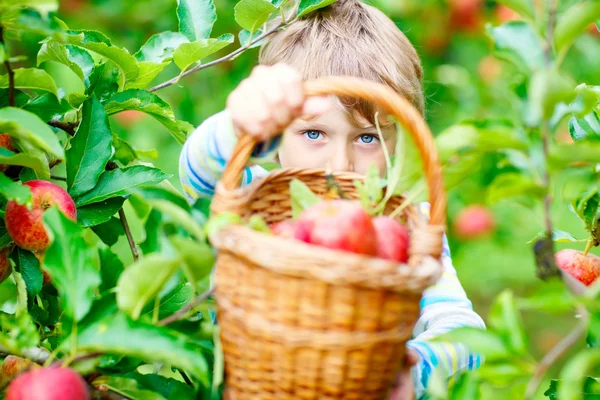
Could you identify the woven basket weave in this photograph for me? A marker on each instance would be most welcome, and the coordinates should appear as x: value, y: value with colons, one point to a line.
x: 304, y: 322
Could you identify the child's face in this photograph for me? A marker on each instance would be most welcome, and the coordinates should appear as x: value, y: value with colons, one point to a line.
x: 330, y: 141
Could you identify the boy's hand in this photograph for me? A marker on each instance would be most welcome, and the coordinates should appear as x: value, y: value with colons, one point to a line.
x: 404, y: 388
x: 265, y: 103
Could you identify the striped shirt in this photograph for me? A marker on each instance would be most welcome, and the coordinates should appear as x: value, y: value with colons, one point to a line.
x: 444, y: 306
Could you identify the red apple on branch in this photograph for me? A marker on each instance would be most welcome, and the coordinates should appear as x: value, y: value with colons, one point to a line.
x: 584, y: 268
x: 26, y: 227
x: 13, y: 366
x: 5, y: 266
x: 56, y: 383
x: 474, y: 222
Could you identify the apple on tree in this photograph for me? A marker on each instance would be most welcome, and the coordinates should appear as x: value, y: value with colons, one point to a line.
x: 53, y: 383
x: 5, y: 265
x: 25, y: 226
x: 474, y: 222
x: 584, y: 268
x: 13, y: 366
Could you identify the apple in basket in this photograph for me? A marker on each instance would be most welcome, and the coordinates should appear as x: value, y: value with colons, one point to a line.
x: 345, y: 225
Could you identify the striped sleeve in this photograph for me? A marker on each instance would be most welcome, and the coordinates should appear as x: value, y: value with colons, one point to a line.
x: 444, y: 307
x: 206, y: 152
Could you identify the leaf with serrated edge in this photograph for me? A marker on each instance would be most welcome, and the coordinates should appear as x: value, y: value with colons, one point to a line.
x: 120, y: 182
x: 90, y: 150
x: 196, y: 18
x: 251, y: 14
x: 31, y: 78
x: 190, y: 53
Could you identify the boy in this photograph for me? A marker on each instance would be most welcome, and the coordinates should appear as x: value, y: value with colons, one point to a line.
x: 346, y: 38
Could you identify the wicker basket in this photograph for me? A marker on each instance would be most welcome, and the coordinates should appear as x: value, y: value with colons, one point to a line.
x: 305, y: 322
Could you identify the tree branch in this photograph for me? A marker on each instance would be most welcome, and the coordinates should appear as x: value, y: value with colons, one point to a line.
x: 10, y: 72
x: 183, y: 311
x: 132, y: 245
x: 557, y: 351
x: 68, y: 127
x: 223, y: 59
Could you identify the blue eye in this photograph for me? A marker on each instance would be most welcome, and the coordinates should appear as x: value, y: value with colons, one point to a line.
x: 367, y: 139
x: 313, y: 135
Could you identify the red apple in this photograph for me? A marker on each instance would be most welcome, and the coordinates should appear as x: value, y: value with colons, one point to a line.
x: 48, y: 384
x: 26, y: 227
x: 5, y: 266
x: 505, y: 14
x: 466, y: 15
x: 12, y: 366
x: 489, y: 69
x: 5, y: 141
x: 393, y: 239
x: 40, y: 256
x: 474, y: 222
x: 340, y: 225
x: 129, y: 117
x: 289, y: 229
x: 583, y: 268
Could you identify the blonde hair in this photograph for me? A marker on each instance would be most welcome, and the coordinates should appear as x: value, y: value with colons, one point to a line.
x: 350, y: 38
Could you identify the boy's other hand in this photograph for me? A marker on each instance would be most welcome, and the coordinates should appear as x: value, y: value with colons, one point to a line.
x: 404, y: 387
x: 266, y: 102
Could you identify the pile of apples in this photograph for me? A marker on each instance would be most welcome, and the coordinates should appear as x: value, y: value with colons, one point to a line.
x: 344, y: 225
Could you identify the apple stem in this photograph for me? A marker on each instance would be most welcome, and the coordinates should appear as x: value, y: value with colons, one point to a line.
x: 185, y: 377
x: 588, y: 247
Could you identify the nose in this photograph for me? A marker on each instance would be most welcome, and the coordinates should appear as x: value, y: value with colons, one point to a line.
x: 340, y: 160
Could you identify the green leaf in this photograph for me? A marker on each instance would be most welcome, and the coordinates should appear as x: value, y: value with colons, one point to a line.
x: 20, y: 98
x: 160, y: 47
x: 109, y: 231
x: 583, y: 151
x: 142, y: 281
x: 198, y: 257
x: 593, y: 335
x: 105, y: 81
x: 77, y: 59
x: 71, y: 263
x: 15, y: 191
x: 148, y: 71
x: 47, y: 106
x: 523, y: 7
x: 196, y: 18
x: 179, y: 215
x: 573, y: 374
x: 486, y: 343
x: 174, y: 300
x: 120, y: 335
x: 505, y: 320
x: 512, y: 184
x: 31, y: 78
x: 308, y: 6
x: 120, y: 182
x: 98, y: 213
x: 557, y: 235
x: 100, y: 44
x: 29, y: 267
x: 573, y: 23
x: 18, y: 333
x: 219, y: 221
x: 466, y: 387
x: 586, y: 128
x: 43, y: 6
x: 588, y: 209
x: 160, y: 193
x: 464, y: 137
x: 518, y: 43
x: 7, y: 157
x: 590, y: 390
x: 90, y: 150
x: 245, y: 37
x: 27, y: 127
x: 169, y: 388
x: 127, y: 387
x: 301, y: 197
x: 154, y: 233
x: 547, y: 89
x: 111, y: 268
x: 190, y: 53
x: 151, y: 104
x: 252, y: 14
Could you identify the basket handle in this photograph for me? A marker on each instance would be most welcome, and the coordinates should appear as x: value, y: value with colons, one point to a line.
x: 391, y: 102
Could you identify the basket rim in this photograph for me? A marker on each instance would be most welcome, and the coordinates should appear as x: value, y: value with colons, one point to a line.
x: 335, y: 267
